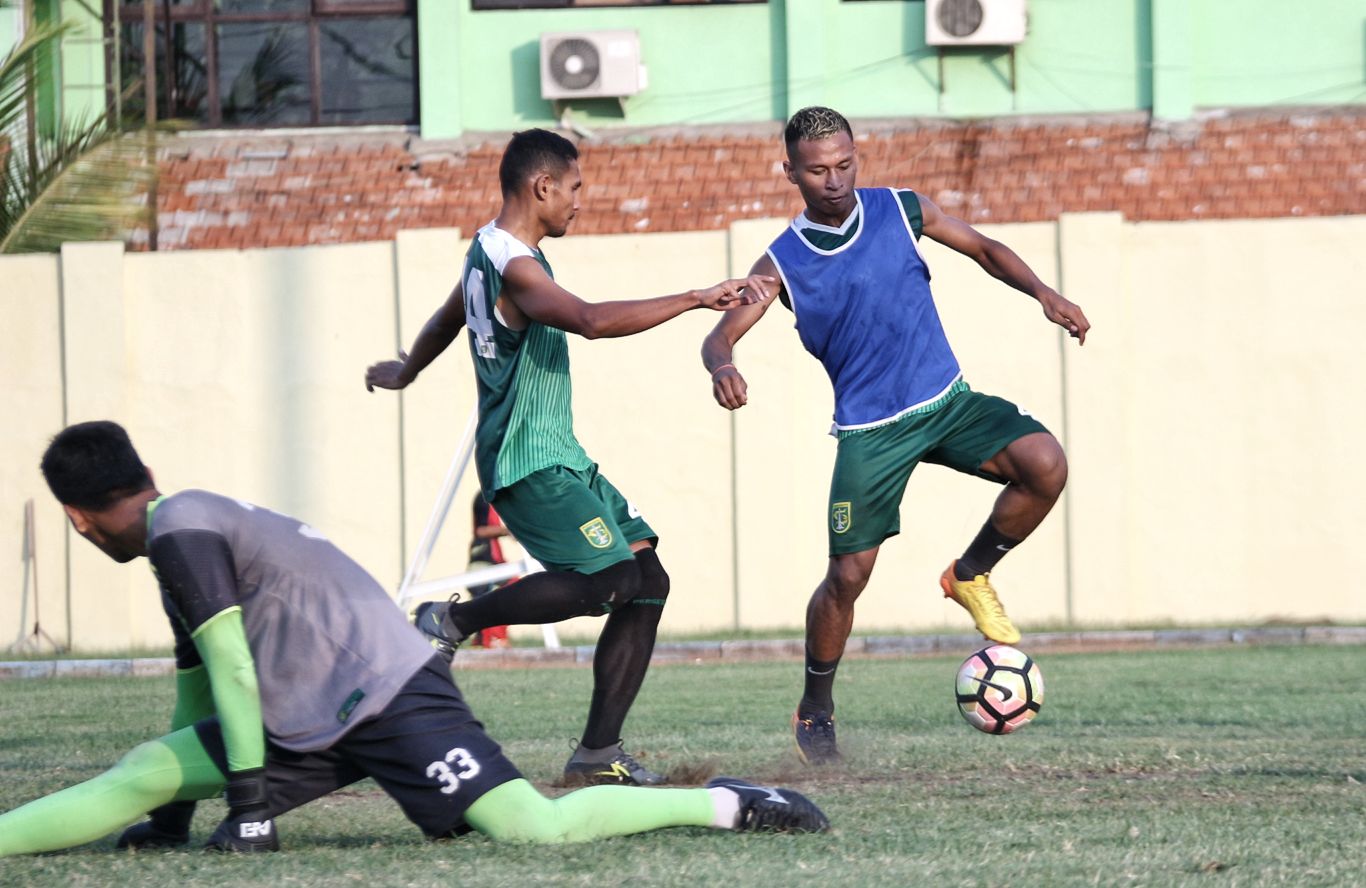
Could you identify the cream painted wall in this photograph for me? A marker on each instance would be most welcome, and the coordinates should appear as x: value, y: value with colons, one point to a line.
x: 1098, y: 382
x: 104, y: 611
x: 435, y: 408
x: 31, y: 365
x: 1238, y: 420
x: 643, y: 411
x: 250, y: 382
x: 1210, y: 426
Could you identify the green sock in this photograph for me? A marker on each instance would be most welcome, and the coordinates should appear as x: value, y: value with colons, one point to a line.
x: 516, y: 812
x: 172, y: 768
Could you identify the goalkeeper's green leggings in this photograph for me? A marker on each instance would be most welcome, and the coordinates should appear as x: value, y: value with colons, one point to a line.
x: 177, y: 767
x: 174, y: 768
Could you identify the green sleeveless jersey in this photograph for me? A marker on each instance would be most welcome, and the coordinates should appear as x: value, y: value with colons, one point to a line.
x: 525, y: 417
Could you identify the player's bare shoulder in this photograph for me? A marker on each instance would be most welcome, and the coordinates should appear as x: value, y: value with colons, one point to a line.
x: 948, y: 230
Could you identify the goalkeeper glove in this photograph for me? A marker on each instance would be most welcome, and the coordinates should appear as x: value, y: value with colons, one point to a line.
x: 248, y: 826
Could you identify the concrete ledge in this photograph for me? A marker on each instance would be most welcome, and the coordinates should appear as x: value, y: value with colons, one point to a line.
x: 762, y: 650
x: 775, y: 649
x: 685, y: 652
x: 902, y: 645
x: 1193, y: 636
x: 153, y: 666
x: 1335, y: 635
x: 29, y: 669
x: 74, y: 668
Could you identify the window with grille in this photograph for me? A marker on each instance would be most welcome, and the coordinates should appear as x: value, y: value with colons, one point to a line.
x: 270, y: 63
x: 579, y: 4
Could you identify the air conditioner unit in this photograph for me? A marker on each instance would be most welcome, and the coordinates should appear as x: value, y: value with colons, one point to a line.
x: 974, y: 22
x: 589, y: 64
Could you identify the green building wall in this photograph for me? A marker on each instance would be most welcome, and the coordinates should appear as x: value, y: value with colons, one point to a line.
x: 82, y: 63
x: 756, y: 62
x: 1313, y: 55
x: 9, y: 26
x: 79, y: 66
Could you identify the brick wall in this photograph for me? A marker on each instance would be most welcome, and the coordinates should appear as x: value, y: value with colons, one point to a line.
x: 256, y: 190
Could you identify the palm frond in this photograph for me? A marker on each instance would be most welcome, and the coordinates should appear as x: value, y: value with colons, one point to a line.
x: 82, y: 182
x: 87, y: 184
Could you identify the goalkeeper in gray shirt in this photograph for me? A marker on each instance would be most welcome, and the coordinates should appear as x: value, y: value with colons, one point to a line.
x: 296, y: 675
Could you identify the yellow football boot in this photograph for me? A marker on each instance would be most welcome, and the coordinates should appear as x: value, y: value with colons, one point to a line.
x: 979, y: 599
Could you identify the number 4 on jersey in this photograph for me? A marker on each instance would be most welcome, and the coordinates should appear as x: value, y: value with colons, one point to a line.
x: 476, y: 315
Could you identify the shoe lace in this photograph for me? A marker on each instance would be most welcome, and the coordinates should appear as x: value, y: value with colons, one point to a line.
x: 628, y: 761
x: 987, y: 600
x: 821, y: 728
x: 624, y: 758
x: 451, y: 636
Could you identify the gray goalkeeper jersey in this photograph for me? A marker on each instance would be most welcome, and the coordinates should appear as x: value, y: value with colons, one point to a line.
x: 331, y: 648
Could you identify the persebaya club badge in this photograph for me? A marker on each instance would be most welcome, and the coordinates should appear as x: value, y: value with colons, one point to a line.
x: 597, y: 534
x: 841, y: 517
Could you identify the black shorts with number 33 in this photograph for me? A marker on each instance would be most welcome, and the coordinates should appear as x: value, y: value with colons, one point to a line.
x: 426, y: 750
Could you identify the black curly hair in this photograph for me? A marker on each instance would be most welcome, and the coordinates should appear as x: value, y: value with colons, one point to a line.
x: 91, y: 465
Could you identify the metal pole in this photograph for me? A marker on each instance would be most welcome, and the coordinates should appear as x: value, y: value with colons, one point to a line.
x: 169, y: 67
x: 117, y: 74
x: 33, y: 640
x: 30, y: 108
x: 442, y: 507
x: 1068, y: 554
x: 149, y: 91
x: 411, y: 588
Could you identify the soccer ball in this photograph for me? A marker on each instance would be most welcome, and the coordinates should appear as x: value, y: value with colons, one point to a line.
x: 999, y: 689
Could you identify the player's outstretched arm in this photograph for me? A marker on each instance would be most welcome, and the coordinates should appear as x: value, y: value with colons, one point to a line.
x: 1004, y: 264
x: 439, y: 331
x: 728, y: 385
x: 196, y: 571
x: 222, y: 642
x: 535, y: 295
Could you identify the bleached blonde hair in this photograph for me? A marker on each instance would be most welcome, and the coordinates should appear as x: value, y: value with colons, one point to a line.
x: 813, y: 123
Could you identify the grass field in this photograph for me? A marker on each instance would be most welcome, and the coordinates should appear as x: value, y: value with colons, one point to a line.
x: 1229, y: 766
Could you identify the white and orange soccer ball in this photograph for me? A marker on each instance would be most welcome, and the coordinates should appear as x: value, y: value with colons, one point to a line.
x: 999, y: 689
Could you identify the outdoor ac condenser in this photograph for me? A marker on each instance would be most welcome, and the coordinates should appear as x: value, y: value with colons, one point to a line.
x: 590, y: 64
x: 974, y: 22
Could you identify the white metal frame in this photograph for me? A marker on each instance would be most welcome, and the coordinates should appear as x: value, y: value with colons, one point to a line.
x: 412, y: 589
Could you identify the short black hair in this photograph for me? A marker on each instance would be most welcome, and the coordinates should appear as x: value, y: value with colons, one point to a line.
x: 813, y: 123
x: 531, y: 151
x: 91, y: 465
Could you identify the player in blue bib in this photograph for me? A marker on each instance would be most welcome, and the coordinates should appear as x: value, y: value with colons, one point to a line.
x: 853, y: 276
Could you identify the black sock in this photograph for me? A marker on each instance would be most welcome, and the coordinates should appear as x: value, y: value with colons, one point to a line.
x: 619, y: 664
x: 981, y: 556
x: 623, y: 654
x: 547, y: 597
x: 819, y: 694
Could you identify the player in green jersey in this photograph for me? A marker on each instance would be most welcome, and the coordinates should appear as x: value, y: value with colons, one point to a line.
x: 597, y: 549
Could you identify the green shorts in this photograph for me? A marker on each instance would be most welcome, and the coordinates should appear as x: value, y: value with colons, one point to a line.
x: 872, y: 466
x: 571, y: 519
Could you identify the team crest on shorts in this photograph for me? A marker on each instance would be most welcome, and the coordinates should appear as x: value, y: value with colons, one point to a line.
x: 841, y: 517
x: 597, y: 534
